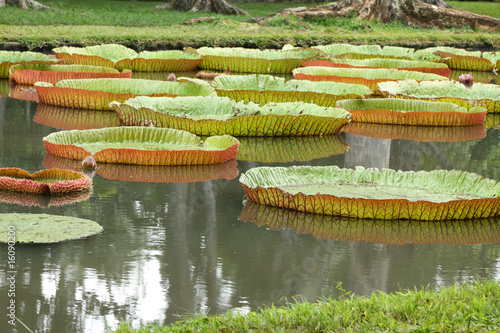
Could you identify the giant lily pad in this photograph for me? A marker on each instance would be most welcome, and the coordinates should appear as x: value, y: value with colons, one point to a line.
x: 141, y: 145
x: 11, y: 58
x: 68, y: 119
x: 369, y: 77
x: 484, y: 95
x: 289, y: 149
x: 350, y: 51
x: 411, y: 112
x: 371, y: 193
x: 253, y: 60
x: 31, y: 73
x: 395, y: 232
x: 97, y: 55
x: 152, y: 173
x: 44, y: 228
x: 459, y: 58
x: 409, y: 65
x: 220, y: 115
x: 96, y: 94
x: 494, y: 57
x: 265, y: 89
x: 43, y: 200
x: 53, y: 181
x: 417, y: 133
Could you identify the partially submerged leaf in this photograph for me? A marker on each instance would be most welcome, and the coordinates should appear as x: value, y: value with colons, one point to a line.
x: 141, y: 145
x: 31, y: 73
x: 44, y: 228
x: 96, y: 94
x: 265, y: 89
x: 10, y: 58
x: 220, y: 115
x: 395, y: 232
x: 457, y: 58
x: 412, y: 112
x: 377, y: 194
x: 52, y: 181
x: 483, y: 95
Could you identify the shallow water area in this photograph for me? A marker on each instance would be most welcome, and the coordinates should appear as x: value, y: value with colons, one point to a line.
x: 177, y: 242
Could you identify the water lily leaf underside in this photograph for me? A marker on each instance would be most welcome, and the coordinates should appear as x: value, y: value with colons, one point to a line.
x: 97, y: 94
x: 53, y: 181
x: 394, y: 232
x: 483, y: 95
x: 141, y: 145
x: 29, y: 74
x: 220, y: 115
x: 412, y: 112
x: 44, y: 228
x: 370, y: 193
x: 456, y: 58
x: 10, y: 58
x: 42, y: 200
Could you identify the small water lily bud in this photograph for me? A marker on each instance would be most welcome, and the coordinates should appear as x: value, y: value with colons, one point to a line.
x: 467, y: 80
x: 171, y: 77
x: 89, y: 162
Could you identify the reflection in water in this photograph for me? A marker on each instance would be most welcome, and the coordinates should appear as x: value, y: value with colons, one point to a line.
x: 23, y: 92
x: 151, y: 174
x: 492, y: 121
x: 479, y: 76
x: 417, y: 133
x: 289, y: 149
x: 161, y: 76
x: 69, y: 119
x: 396, y: 232
x: 44, y: 201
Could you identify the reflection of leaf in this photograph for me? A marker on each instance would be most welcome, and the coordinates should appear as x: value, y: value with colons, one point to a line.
x: 44, y: 201
x: 147, y: 173
x: 289, y: 149
x: 23, y: 92
x: 492, y: 121
x: 397, y: 232
x: 67, y: 118
x: 372, y: 193
x: 4, y: 87
x: 44, y: 228
x: 418, y: 133
x: 479, y: 77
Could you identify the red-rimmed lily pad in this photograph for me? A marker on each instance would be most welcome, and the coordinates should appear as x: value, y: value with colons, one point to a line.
x: 31, y: 73
x: 265, y: 89
x: 290, y: 149
x: 43, y: 200
x: 45, y: 228
x: 11, y: 58
x: 459, y: 58
x: 409, y: 65
x: 52, y: 181
x: 254, y: 60
x: 394, y: 232
x: 483, y: 95
x: 68, y: 119
x: 378, y: 194
x: 220, y: 115
x: 142, y: 146
x: 152, y: 173
x: 96, y: 94
x: 369, y: 77
x: 418, y: 133
x: 411, y: 112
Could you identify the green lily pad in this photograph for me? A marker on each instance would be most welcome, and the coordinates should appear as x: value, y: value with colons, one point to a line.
x: 44, y: 228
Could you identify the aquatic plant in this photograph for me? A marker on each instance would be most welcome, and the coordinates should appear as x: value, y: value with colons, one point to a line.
x: 11, y: 58
x: 457, y: 58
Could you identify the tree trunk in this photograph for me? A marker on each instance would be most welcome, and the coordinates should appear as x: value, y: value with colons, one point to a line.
x: 214, y: 6
x: 411, y: 12
x: 24, y: 4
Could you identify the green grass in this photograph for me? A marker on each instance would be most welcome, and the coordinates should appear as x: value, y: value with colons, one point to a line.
x: 479, y: 7
x: 460, y: 308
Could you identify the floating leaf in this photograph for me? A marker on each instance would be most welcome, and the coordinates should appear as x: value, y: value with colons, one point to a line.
x: 31, y: 73
x: 289, y: 149
x: 68, y: 119
x: 412, y: 112
x: 96, y: 94
x: 161, y: 61
x: 44, y: 201
x: 371, y: 193
x: 97, y: 55
x: 395, y: 232
x: 494, y: 57
x: 369, y: 77
x: 459, y: 58
x: 254, y: 60
x: 53, y: 181
x: 483, y: 95
x: 10, y: 58
x: 265, y: 89
x: 141, y: 145
x: 44, y: 228
x: 417, y: 133
x: 220, y: 115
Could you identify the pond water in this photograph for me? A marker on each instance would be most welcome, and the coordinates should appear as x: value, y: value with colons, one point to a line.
x: 181, y: 240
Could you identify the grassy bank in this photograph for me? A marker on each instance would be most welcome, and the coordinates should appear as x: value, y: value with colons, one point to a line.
x: 461, y: 308
x: 138, y: 25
